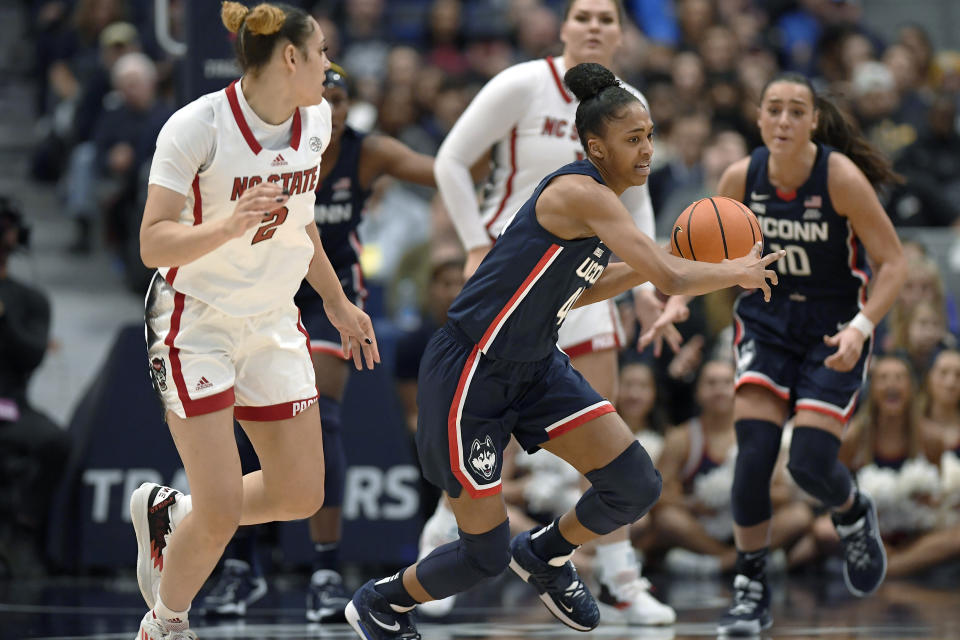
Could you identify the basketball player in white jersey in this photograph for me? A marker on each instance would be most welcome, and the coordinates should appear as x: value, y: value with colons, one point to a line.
x: 229, y: 225
x: 526, y: 115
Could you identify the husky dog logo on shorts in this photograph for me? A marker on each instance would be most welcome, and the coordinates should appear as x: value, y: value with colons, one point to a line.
x: 483, y: 457
x: 159, y: 372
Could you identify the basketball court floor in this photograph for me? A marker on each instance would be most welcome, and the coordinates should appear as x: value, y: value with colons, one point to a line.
x: 807, y: 606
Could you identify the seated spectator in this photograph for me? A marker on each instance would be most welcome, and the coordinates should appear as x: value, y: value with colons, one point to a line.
x: 922, y: 336
x: 33, y: 450
x: 895, y: 455
x: 923, y: 284
x: 693, y: 518
x: 941, y: 399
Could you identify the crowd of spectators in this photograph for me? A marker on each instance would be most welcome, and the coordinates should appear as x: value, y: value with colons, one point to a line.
x: 104, y: 87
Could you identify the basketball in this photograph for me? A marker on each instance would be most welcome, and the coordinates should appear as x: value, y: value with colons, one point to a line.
x: 712, y: 229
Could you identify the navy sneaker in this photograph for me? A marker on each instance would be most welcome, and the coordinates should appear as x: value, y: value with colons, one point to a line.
x: 326, y: 597
x: 235, y: 591
x: 864, y: 558
x: 750, y: 613
x: 372, y: 617
x: 560, y: 587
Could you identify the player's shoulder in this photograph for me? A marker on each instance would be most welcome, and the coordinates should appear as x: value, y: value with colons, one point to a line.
x: 733, y: 181
x: 194, y: 119
x: 524, y: 74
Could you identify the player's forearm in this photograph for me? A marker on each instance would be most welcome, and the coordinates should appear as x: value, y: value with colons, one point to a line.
x: 166, y: 243
x: 616, y: 279
x: 460, y: 199
x: 886, y: 287
x: 321, y: 275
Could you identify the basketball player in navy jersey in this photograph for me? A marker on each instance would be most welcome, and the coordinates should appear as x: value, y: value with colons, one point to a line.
x: 812, y: 188
x: 494, y: 371
x: 348, y: 168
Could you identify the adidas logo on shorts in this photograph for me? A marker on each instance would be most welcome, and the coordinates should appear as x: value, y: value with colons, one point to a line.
x: 203, y: 383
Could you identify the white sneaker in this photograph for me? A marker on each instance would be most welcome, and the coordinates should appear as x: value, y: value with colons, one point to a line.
x: 152, y: 629
x: 689, y: 563
x: 153, y: 522
x: 628, y: 601
x: 440, y: 529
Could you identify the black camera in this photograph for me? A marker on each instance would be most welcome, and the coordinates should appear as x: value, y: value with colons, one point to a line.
x: 10, y: 217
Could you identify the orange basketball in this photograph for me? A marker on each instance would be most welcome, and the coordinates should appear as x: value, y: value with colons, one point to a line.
x: 712, y: 229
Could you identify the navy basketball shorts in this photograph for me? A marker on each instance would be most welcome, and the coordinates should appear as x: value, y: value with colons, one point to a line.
x: 780, y: 347
x: 324, y: 337
x: 470, y: 405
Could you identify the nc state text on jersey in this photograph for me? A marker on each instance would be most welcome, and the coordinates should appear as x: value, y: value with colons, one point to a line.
x: 293, y: 181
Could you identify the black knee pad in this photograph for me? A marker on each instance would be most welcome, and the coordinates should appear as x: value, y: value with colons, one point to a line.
x: 488, y: 553
x: 334, y: 456
x: 758, y: 443
x: 457, y: 566
x: 815, y: 468
x: 621, y: 492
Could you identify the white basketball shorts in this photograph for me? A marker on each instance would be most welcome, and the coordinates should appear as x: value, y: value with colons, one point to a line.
x: 202, y: 360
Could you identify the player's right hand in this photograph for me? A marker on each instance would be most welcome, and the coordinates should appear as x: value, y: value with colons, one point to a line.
x: 755, y: 272
x: 253, y: 205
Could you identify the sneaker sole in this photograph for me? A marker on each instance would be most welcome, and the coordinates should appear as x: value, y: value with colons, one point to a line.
x: 883, y: 554
x: 353, y: 619
x: 138, y: 516
x: 610, y: 614
x: 744, y: 628
x: 552, y: 607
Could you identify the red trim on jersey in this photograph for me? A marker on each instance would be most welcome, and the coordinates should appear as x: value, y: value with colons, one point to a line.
x: 787, y: 196
x: 489, y: 334
x: 508, y: 189
x: 737, y: 330
x: 760, y: 382
x: 453, y: 440
x: 608, y: 340
x: 282, y: 411
x: 573, y: 423
x: 306, y: 335
x: 858, y: 273
x: 197, y: 219
x: 556, y: 78
x: 295, y: 131
x: 241, y: 121
x: 197, y: 201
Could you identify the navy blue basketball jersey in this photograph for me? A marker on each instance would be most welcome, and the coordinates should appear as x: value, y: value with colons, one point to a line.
x: 824, y: 258
x: 340, y: 202
x: 514, y: 304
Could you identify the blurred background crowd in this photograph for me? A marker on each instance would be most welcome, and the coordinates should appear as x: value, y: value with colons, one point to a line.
x: 102, y: 83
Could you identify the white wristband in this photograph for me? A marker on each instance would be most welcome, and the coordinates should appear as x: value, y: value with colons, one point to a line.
x: 863, y: 324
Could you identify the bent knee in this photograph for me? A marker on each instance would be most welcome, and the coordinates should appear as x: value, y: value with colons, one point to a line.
x: 302, y: 503
x: 488, y: 553
x: 216, y: 525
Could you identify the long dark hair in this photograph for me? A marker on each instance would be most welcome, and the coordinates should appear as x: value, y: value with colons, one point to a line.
x: 601, y: 97
x: 838, y: 129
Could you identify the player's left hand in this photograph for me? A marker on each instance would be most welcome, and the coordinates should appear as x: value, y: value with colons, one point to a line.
x: 356, y: 332
x: 849, y: 343
x: 657, y: 321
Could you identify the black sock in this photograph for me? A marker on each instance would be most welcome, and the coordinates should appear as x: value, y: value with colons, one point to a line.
x: 548, y: 543
x: 393, y: 590
x: 244, y: 547
x: 854, y: 513
x: 326, y: 555
x: 752, y: 564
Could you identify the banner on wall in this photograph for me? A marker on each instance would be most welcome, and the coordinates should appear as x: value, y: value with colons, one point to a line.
x: 121, y: 441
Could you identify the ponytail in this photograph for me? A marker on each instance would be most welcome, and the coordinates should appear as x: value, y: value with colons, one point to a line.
x: 836, y: 128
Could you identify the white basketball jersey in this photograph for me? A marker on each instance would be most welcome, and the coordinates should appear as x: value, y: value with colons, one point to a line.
x: 543, y: 140
x: 262, y: 269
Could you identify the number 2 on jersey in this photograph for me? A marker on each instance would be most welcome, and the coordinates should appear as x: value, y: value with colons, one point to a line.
x: 272, y: 220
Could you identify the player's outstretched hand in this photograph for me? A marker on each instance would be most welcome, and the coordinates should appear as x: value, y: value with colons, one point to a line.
x: 661, y: 326
x: 849, y: 343
x: 356, y: 332
x: 255, y: 203
x: 756, y: 274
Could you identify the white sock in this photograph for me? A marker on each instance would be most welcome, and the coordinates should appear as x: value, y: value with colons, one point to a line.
x: 179, y: 510
x: 172, y: 620
x: 615, y: 558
